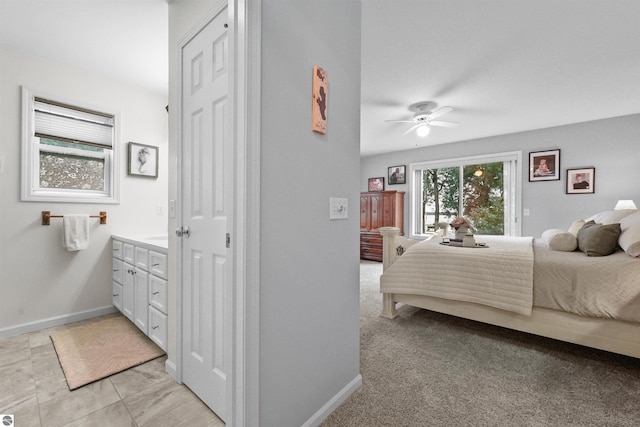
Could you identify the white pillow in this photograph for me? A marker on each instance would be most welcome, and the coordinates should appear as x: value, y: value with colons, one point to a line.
x: 629, y: 240
x: 630, y: 220
x: 560, y: 240
x: 610, y: 217
x: 576, y: 226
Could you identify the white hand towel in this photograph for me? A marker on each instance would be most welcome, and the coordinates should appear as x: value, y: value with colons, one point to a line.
x: 75, y: 234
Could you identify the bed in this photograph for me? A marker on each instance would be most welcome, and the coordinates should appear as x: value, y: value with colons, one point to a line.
x: 523, y: 284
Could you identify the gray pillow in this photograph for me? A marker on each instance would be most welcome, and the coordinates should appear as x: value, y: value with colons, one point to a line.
x: 598, y: 239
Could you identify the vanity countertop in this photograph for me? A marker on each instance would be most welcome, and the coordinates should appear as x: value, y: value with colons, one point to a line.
x: 155, y: 242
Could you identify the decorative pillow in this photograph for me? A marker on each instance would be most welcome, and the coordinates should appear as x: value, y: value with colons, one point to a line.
x: 598, y: 239
x: 630, y: 240
x: 610, y: 217
x: 576, y: 226
x: 560, y: 240
x: 630, y: 220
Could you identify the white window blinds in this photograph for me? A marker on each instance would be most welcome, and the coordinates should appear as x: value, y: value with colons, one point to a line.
x: 64, y: 122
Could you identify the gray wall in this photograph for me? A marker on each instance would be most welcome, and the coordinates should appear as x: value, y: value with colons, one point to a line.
x: 609, y: 145
x: 309, y: 299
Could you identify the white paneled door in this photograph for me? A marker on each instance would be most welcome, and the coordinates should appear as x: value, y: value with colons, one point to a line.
x: 206, y: 213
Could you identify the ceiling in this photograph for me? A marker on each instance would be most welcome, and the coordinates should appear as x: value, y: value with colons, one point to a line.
x: 124, y: 39
x: 504, y: 65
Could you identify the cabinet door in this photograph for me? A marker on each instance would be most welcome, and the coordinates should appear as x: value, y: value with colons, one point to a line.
x: 388, y: 210
x: 141, y: 299
x: 376, y: 212
x: 128, y: 290
x: 365, y: 210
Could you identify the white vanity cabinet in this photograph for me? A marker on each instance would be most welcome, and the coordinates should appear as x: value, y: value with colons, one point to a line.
x: 140, y: 285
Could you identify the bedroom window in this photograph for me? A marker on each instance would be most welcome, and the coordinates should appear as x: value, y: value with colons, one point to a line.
x: 68, y: 152
x: 484, y: 189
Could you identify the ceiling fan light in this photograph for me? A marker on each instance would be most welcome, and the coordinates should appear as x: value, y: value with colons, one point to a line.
x: 422, y: 131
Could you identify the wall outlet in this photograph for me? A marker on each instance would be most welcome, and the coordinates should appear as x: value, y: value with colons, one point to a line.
x: 338, y: 208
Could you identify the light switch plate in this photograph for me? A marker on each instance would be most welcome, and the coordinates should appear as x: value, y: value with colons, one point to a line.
x: 338, y: 208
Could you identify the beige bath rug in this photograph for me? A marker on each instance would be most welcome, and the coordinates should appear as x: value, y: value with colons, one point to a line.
x: 94, y: 351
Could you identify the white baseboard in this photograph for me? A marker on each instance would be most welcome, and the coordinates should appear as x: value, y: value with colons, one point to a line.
x: 170, y: 367
x: 55, y: 321
x: 334, y: 402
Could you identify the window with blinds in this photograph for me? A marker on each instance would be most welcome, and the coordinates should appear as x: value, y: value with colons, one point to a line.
x: 68, y: 152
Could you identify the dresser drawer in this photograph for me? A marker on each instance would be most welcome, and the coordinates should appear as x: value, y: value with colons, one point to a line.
x: 375, y: 239
x: 373, y: 253
x: 158, y: 264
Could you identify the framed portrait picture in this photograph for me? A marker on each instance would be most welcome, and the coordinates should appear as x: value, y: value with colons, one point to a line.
x: 143, y: 160
x: 376, y: 184
x: 544, y: 165
x: 581, y: 181
x: 396, y: 175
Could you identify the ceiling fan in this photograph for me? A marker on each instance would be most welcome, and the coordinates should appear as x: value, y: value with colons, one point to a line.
x: 423, y: 118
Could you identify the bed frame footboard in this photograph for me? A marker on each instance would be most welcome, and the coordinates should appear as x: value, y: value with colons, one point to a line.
x: 393, y: 246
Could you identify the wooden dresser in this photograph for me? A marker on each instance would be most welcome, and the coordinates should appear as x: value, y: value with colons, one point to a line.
x: 378, y: 209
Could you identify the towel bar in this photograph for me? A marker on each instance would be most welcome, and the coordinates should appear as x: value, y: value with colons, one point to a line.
x: 46, y: 217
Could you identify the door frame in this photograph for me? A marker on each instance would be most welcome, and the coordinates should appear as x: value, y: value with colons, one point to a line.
x: 244, y: 35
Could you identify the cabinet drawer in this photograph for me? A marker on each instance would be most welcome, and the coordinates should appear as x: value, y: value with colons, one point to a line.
x: 158, y: 327
x: 158, y: 293
x: 158, y: 264
x: 142, y: 258
x: 117, y: 270
x: 117, y: 295
x: 117, y: 249
x: 128, y: 254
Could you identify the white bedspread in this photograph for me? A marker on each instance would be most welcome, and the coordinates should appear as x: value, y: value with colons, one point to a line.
x: 499, y: 276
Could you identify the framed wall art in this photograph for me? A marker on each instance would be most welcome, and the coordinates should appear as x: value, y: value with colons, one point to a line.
x: 376, y: 184
x: 397, y: 175
x: 544, y: 165
x: 581, y: 181
x: 319, y: 107
x: 143, y: 160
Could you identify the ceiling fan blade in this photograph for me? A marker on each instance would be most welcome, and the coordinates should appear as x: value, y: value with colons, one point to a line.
x: 399, y: 121
x: 441, y: 123
x: 439, y: 112
x: 411, y: 129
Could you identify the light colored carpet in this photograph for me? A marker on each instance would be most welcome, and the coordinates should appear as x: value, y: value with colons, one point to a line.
x: 94, y: 351
x: 429, y: 369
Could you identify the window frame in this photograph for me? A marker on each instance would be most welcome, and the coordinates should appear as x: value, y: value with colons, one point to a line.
x: 513, y: 192
x: 31, y: 149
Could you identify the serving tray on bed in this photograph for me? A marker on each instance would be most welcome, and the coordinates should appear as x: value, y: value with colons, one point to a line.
x: 458, y: 243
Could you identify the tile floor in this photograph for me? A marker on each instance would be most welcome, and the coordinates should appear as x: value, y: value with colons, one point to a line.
x: 34, y: 390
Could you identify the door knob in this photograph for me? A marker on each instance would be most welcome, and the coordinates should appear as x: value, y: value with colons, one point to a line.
x: 183, y: 232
